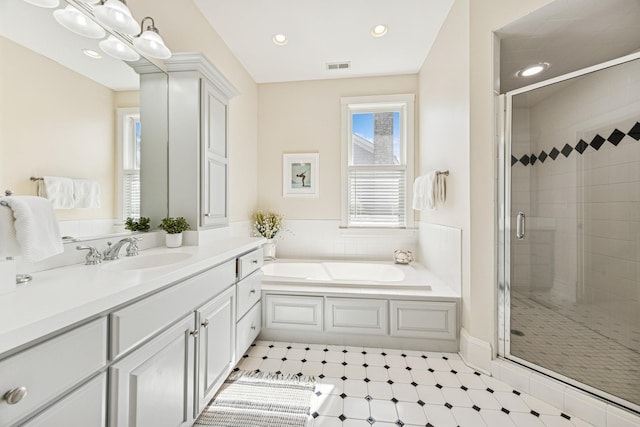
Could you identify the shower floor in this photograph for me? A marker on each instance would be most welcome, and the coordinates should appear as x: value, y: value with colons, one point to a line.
x: 564, y: 345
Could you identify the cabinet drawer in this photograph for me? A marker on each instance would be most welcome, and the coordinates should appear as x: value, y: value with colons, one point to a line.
x: 356, y: 316
x: 423, y: 319
x: 49, y: 369
x: 293, y: 312
x: 249, y: 290
x: 247, y: 330
x: 84, y: 407
x: 249, y: 263
x: 139, y: 321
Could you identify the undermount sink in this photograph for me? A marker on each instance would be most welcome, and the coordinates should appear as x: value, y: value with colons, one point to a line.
x: 145, y: 261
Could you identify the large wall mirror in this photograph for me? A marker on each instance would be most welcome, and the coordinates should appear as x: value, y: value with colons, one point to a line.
x: 65, y: 113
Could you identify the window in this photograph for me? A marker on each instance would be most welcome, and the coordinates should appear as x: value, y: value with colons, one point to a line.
x: 129, y: 162
x: 377, y: 147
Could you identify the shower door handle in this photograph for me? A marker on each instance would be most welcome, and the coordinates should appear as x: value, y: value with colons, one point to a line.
x: 520, y: 225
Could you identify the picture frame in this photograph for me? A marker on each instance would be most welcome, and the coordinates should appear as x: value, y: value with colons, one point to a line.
x: 300, y: 175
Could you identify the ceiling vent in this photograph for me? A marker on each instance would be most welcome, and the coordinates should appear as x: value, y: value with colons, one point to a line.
x: 338, y: 65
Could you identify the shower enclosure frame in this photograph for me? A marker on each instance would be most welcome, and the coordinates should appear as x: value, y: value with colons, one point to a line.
x: 503, y: 118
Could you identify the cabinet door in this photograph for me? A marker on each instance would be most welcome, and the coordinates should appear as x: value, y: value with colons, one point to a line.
x: 214, y: 157
x: 216, y: 345
x: 153, y: 386
x: 84, y: 407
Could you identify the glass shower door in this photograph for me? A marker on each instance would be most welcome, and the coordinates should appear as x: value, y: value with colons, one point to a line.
x: 572, y: 230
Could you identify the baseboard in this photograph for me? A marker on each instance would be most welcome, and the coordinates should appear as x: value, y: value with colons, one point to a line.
x: 475, y: 352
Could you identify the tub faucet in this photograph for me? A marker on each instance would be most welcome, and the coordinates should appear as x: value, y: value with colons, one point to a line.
x: 113, y: 250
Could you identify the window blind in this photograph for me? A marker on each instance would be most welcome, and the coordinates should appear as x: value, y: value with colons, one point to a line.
x: 376, y: 197
x: 131, y: 193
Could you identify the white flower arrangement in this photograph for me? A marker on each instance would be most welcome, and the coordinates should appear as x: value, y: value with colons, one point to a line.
x: 267, y: 224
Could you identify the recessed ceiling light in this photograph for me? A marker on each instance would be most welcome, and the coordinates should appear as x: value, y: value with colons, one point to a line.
x: 379, y: 30
x: 532, y: 70
x: 280, y: 39
x: 92, y: 54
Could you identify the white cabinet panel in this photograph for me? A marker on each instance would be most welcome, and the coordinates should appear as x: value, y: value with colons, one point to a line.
x: 84, y: 407
x: 49, y: 369
x: 153, y: 386
x: 137, y: 322
x: 249, y: 292
x: 216, y: 345
x: 357, y: 316
x: 293, y: 312
x: 424, y: 319
x: 248, y: 329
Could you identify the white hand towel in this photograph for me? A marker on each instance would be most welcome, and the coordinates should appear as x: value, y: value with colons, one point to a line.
x: 441, y: 188
x: 419, y: 193
x: 9, y: 245
x: 424, y: 191
x: 58, y: 190
x: 86, y: 193
x: 36, y: 227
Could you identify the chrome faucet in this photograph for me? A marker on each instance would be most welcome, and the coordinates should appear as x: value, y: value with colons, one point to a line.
x: 113, y: 250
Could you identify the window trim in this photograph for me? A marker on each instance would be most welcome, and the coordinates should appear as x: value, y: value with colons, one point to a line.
x: 406, y: 104
x: 123, y: 114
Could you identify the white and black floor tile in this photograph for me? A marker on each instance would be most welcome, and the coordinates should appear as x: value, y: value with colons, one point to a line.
x: 365, y: 387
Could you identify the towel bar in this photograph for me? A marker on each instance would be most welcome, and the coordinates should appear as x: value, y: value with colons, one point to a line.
x: 33, y: 178
x: 445, y: 173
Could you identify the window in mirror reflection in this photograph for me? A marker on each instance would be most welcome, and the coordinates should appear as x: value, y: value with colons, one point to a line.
x: 129, y: 162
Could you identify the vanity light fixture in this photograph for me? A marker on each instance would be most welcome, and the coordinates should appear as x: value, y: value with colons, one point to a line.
x: 77, y: 22
x: 379, y: 30
x: 280, y: 39
x: 50, y: 4
x: 92, y: 54
x: 117, y: 49
x: 115, y: 14
x: 150, y: 43
x: 532, y: 70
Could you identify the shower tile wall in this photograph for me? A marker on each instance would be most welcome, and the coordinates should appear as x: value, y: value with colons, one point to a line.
x: 581, y: 179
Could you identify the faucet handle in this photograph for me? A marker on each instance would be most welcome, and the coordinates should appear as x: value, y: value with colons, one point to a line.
x: 93, y: 257
x: 132, y: 249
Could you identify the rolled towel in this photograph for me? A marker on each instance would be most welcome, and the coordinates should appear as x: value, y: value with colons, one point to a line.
x: 86, y: 193
x: 36, y: 227
x: 58, y: 190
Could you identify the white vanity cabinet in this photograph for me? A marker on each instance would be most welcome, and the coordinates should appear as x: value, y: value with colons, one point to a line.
x: 249, y: 292
x: 198, y: 156
x: 216, y: 345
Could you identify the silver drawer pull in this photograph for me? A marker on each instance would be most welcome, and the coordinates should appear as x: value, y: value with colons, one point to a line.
x: 205, y: 324
x: 255, y: 261
x: 252, y: 291
x: 15, y: 395
x: 253, y: 328
x: 194, y: 333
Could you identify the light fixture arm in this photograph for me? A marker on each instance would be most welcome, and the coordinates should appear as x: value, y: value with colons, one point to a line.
x: 151, y: 27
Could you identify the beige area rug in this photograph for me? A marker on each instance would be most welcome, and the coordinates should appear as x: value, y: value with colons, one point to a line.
x: 260, y: 399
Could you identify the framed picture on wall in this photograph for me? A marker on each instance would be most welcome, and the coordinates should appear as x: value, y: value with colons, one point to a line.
x: 300, y: 175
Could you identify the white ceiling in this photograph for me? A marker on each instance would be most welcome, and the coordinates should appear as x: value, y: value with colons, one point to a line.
x: 570, y: 35
x: 324, y: 31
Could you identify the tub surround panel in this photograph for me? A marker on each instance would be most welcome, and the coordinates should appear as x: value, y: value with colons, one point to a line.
x: 440, y: 251
x: 324, y: 239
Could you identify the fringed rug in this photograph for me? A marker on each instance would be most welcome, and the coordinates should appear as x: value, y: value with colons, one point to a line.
x: 260, y: 399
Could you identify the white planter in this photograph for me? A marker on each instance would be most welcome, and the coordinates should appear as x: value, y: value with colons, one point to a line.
x: 269, y: 249
x: 173, y: 240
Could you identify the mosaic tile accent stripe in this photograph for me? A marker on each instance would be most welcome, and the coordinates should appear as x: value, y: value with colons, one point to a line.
x: 596, y: 143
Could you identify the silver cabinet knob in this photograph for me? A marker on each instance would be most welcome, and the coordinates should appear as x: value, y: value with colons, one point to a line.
x: 194, y: 333
x: 15, y: 395
x: 255, y: 261
x: 253, y: 328
x: 205, y: 324
x: 208, y: 215
x: 252, y: 291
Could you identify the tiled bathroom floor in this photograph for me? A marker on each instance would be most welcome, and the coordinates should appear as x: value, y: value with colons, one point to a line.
x: 378, y: 387
x: 549, y: 337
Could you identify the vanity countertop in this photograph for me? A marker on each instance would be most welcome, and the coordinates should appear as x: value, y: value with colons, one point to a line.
x: 64, y: 296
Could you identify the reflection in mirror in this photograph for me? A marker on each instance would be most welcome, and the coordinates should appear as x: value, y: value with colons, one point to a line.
x: 64, y: 113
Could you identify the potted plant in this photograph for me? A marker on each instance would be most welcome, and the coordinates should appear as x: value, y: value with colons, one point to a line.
x: 174, y: 228
x: 140, y: 224
x: 268, y: 224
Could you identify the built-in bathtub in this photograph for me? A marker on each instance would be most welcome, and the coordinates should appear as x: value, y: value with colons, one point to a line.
x: 358, y: 303
x: 356, y: 274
